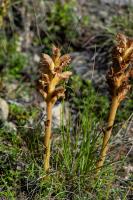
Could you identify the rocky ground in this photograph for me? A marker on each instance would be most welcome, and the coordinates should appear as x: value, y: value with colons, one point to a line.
x: 91, y: 58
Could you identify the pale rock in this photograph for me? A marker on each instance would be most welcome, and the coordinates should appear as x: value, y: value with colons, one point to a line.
x: 118, y: 2
x: 11, y: 89
x: 10, y: 126
x: 36, y: 58
x: 60, y: 114
x: 4, y: 110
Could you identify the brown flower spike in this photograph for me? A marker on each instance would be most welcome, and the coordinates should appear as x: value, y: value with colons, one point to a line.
x: 121, y: 70
x: 51, y: 76
x: 118, y: 81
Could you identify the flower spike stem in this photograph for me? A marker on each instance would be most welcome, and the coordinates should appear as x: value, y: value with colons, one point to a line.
x: 118, y: 81
x: 51, y: 76
x: 107, y: 134
x: 47, y: 137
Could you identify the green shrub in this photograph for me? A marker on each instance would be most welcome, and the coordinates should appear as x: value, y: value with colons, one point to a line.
x: 11, y: 59
x: 63, y: 22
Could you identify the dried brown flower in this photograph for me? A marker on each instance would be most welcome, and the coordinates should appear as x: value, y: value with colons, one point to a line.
x: 51, y: 73
x: 121, y: 70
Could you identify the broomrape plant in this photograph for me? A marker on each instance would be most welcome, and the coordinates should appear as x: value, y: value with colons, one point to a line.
x: 51, y: 76
x: 118, y: 81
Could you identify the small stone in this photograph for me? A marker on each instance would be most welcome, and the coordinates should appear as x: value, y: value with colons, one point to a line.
x: 4, y: 110
x: 103, y: 13
x: 36, y: 58
x: 10, y: 88
x: 60, y: 114
x: 10, y: 126
x: 43, y: 105
x: 20, y: 166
